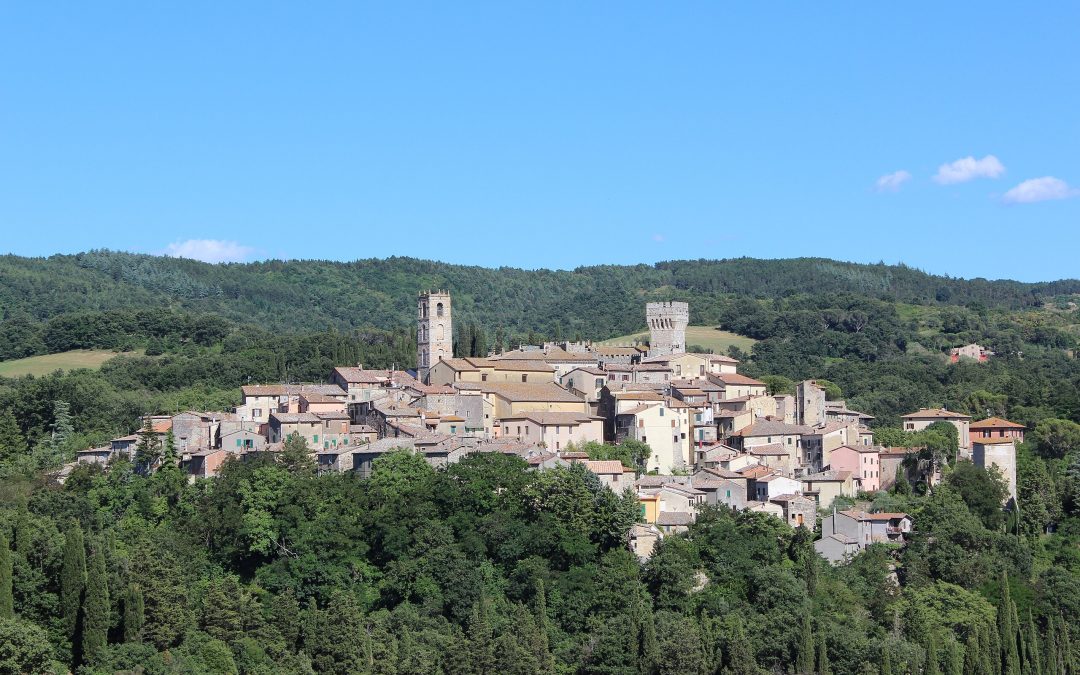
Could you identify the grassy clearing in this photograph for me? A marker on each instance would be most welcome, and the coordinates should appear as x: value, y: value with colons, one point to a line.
x: 48, y: 363
x: 702, y: 336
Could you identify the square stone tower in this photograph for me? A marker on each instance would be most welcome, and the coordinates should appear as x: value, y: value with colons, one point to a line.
x: 667, y: 327
x: 434, y: 332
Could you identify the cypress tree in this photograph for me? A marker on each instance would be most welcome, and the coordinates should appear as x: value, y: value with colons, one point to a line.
x: 823, y: 656
x: 932, y: 667
x: 73, y: 582
x: 481, y: 638
x: 1034, y: 651
x: 971, y: 653
x: 134, y: 614
x: 804, y: 656
x: 1052, y: 666
x: 23, y: 536
x: 96, y: 609
x: 740, y: 656
x: 547, y: 662
x: 1007, y: 629
x: 7, y: 598
x: 886, y: 661
x: 1067, y: 665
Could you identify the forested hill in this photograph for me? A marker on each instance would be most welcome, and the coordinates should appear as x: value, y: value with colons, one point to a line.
x: 595, y: 302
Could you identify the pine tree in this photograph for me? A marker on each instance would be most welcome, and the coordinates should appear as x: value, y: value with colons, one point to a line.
x: 804, y: 656
x: 73, y: 585
x: 221, y: 616
x: 134, y: 614
x: 96, y: 605
x: 12, y: 442
x: 1067, y: 665
x: 823, y: 656
x: 7, y: 598
x: 810, y: 571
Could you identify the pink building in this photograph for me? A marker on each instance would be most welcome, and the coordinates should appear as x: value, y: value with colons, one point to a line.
x: 863, y: 462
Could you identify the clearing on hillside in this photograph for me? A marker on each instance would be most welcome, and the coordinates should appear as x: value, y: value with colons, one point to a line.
x: 702, y: 336
x: 48, y: 363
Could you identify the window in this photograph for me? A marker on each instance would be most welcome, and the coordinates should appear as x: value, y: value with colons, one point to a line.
x: 661, y: 412
x: 239, y: 444
x: 439, y: 309
x: 256, y: 412
x: 315, y: 438
x: 558, y: 430
x: 644, y: 440
x: 524, y: 378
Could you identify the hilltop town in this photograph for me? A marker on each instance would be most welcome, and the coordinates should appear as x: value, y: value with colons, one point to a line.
x: 687, y: 428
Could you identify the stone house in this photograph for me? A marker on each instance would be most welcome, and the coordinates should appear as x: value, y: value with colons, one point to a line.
x: 864, y: 463
x: 826, y: 486
x: 556, y: 430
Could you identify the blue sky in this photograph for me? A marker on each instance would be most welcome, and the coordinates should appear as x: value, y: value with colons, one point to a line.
x: 546, y: 134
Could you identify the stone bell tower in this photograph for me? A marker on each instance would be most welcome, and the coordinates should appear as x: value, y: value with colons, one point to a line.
x: 434, y: 332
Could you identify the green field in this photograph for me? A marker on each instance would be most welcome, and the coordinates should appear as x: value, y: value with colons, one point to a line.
x: 702, y: 336
x: 48, y: 363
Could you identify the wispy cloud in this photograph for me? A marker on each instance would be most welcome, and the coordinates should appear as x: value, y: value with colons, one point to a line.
x: 891, y: 182
x: 1040, y: 190
x: 210, y: 250
x: 969, y: 168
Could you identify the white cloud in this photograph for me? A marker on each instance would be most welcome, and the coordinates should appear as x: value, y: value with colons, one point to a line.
x: 1040, y: 190
x: 658, y: 238
x: 210, y: 250
x: 969, y: 168
x: 891, y: 182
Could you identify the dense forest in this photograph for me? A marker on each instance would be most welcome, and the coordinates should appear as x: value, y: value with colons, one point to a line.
x: 485, y: 566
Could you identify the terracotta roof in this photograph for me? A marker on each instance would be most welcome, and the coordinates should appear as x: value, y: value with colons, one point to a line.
x: 295, y: 418
x: 290, y: 390
x: 735, y: 379
x: 995, y: 423
x: 935, y: 413
x: 863, y: 515
x: 315, y: 397
x: 550, y: 418
x: 639, y: 396
x: 547, y: 391
x: 827, y: 476
x: 724, y: 473
x: 772, y: 449
x: 362, y: 376
x: 789, y: 498
x: 674, y: 518
x: 756, y: 471
x: 605, y: 466
x: 773, y: 428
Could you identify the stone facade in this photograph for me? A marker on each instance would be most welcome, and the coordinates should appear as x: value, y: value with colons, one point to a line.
x: 667, y: 327
x: 434, y: 331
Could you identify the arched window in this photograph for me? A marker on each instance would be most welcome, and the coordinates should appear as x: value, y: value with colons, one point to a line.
x: 439, y: 309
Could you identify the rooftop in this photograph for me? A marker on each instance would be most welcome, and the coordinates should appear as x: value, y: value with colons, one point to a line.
x: 936, y: 413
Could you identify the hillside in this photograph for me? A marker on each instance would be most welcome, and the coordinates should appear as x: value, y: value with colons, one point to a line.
x: 594, y: 302
x: 48, y: 363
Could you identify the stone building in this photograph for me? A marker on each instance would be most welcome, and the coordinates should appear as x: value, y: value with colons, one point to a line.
x: 434, y: 331
x: 667, y: 327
